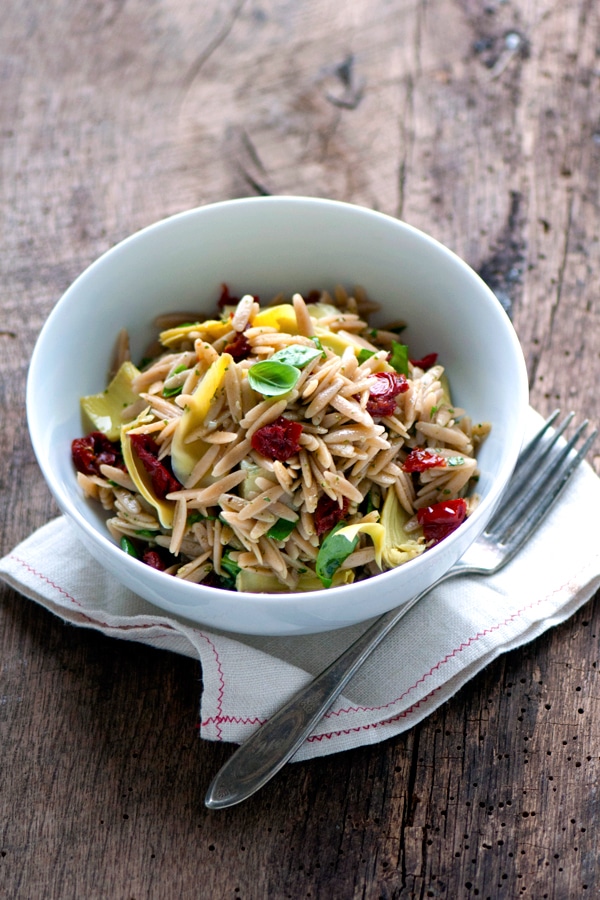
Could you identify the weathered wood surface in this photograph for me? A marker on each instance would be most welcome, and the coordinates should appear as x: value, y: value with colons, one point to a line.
x: 476, y: 121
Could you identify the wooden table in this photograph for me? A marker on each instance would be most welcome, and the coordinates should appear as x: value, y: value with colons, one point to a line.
x: 475, y: 121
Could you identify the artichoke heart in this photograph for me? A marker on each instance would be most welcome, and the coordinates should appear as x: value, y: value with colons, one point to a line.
x: 268, y: 583
x: 319, y: 310
x: 185, y: 454
x: 103, y: 412
x: 375, y: 530
x: 248, y: 489
x: 398, y: 546
x: 337, y: 343
x: 139, y: 475
x: 445, y: 385
x: 212, y: 330
x: 281, y: 317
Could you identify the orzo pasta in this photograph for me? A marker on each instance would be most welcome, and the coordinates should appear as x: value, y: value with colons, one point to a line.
x: 287, y: 447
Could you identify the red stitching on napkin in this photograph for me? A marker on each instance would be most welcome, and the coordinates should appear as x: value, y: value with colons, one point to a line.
x: 239, y: 720
x: 406, y: 712
x: 219, y: 717
x: 256, y: 720
x: 444, y: 660
x: 44, y: 578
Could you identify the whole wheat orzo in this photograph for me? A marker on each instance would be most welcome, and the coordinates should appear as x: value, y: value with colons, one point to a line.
x: 281, y: 447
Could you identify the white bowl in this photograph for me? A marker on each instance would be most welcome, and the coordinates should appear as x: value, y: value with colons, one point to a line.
x: 264, y: 246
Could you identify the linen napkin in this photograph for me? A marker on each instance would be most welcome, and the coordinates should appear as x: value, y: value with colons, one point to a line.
x: 442, y: 643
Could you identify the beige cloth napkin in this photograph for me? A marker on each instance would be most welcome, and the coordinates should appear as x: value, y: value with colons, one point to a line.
x: 442, y: 643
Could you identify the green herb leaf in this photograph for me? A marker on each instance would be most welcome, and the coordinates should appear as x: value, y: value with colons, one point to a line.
x: 128, y: 547
x: 229, y: 565
x: 272, y: 378
x: 296, y: 355
x: 199, y: 517
x: 455, y: 460
x: 172, y: 392
x: 281, y: 529
x: 364, y: 355
x: 317, y: 342
x: 398, y: 358
x: 332, y: 553
x: 367, y: 505
x: 146, y: 533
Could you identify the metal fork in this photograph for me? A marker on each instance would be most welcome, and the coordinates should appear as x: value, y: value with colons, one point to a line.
x: 542, y: 471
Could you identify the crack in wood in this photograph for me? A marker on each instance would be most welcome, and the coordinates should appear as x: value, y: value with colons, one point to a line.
x: 353, y: 86
x: 503, y: 270
x: 212, y: 46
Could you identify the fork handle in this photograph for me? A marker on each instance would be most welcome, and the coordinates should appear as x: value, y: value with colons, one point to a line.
x: 269, y: 748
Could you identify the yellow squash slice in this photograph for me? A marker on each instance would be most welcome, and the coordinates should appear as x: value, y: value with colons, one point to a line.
x: 212, y: 330
x: 139, y: 475
x: 185, y: 454
x: 375, y: 530
x: 282, y: 317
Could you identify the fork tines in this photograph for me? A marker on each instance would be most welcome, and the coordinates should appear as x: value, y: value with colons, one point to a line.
x: 542, y: 471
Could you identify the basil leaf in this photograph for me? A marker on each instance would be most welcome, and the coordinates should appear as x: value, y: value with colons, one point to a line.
x: 128, y: 547
x: 364, y: 355
x: 398, y: 358
x: 272, y: 378
x: 281, y: 529
x: 146, y: 533
x: 229, y: 565
x: 199, y: 517
x: 296, y: 355
x: 332, y: 553
x: 172, y: 392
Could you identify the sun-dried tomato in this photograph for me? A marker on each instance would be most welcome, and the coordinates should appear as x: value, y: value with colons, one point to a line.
x: 426, y: 362
x: 163, y: 480
x: 93, y: 451
x: 239, y: 348
x: 441, y: 519
x: 421, y: 458
x: 279, y: 440
x: 225, y: 298
x: 328, y: 513
x: 382, y: 396
x: 154, y: 559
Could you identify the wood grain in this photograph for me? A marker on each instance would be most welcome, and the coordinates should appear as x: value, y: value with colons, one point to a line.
x: 479, y: 123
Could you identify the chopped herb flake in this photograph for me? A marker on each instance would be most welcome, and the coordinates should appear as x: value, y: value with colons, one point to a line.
x: 318, y: 344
